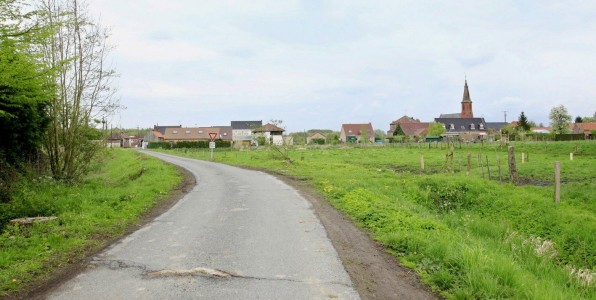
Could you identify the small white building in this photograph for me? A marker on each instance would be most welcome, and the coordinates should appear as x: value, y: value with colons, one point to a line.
x: 273, y: 134
x: 242, y: 131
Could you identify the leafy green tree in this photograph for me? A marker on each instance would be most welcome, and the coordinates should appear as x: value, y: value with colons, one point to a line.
x: 579, y: 119
x: 559, y: 119
x: 398, y: 131
x: 380, y: 134
x: 436, y: 129
x: 522, y: 122
x: 24, y: 94
x: 23, y: 101
x: 364, y: 136
x: 509, y: 129
x: 76, y: 49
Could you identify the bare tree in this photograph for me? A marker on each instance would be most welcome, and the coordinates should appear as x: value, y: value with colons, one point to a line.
x: 76, y: 49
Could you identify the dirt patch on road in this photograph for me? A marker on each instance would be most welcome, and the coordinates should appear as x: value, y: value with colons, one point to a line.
x: 80, y: 261
x: 375, y: 273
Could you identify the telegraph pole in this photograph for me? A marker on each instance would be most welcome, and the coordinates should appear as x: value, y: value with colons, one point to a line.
x: 505, y: 113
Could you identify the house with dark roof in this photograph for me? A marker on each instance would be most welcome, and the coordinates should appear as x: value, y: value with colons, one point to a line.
x: 273, y: 134
x: 496, y: 126
x: 354, y: 133
x: 242, y: 131
x: 468, y: 129
x: 463, y: 124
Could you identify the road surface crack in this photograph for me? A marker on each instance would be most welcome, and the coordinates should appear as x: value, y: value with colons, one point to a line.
x: 201, y: 271
x: 120, y: 264
x: 191, y: 272
x: 216, y: 273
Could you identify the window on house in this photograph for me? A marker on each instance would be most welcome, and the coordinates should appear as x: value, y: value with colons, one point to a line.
x: 225, y: 133
x: 350, y: 131
x: 463, y: 127
x: 200, y: 131
x: 452, y: 126
x: 481, y: 126
x: 472, y: 126
x: 174, y: 131
x: 187, y: 132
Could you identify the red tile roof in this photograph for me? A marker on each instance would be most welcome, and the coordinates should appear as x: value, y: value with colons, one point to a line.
x: 414, y: 129
x: 583, y: 127
x: 269, y: 128
x: 355, y: 129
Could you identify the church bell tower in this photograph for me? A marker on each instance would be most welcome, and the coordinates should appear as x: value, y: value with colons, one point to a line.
x: 466, y: 103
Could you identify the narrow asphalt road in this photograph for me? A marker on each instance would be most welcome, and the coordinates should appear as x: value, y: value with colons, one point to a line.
x: 238, y: 234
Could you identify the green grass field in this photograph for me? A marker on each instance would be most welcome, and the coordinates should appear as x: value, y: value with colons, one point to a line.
x: 468, y: 236
x: 120, y: 188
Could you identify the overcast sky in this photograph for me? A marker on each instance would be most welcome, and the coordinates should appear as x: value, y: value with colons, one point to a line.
x: 318, y: 64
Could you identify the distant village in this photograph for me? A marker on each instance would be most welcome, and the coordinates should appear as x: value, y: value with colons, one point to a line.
x: 462, y: 126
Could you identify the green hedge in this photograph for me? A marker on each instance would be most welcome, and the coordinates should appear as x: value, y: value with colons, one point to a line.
x: 197, y: 144
x: 570, y: 137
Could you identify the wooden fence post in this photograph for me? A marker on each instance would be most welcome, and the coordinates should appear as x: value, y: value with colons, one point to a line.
x: 523, y: 158
x: 469, y: 163
x: 481, y: 166
x: 422, y: 162
x: 512, y: 167
x: 499, y: 163
x: 487, y: 167
x: 557, y: 182
x: 459, y: 162
x: 571, y: 156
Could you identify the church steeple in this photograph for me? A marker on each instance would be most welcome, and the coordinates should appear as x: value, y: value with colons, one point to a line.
x: 466, y: 97
x: 466, y: 103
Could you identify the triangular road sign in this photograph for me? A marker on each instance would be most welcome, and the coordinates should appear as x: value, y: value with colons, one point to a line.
x: 213, y: 136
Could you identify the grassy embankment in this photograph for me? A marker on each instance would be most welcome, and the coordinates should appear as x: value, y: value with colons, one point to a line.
x: 467, y: 236
x: 116, y: 193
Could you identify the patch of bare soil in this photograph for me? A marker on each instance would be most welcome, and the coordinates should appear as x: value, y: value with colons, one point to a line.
x: 375, y: 273
x: 80, y: 261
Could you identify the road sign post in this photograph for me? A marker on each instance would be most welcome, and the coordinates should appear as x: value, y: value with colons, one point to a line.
x: 212, y: 136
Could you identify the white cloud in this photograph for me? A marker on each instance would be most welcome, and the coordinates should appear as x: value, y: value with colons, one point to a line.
x: 337, y: 60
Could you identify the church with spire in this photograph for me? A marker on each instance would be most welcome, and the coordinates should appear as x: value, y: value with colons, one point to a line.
x: 464, y: 124
x: 466, y: 106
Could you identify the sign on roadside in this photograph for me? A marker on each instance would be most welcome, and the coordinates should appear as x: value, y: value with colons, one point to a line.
x: 211, y: 145
x: 213, y: 136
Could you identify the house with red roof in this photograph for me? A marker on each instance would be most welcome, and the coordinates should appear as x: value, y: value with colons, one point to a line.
x: 587, y: 129
x: 409, y: 126
x: 355, y: 133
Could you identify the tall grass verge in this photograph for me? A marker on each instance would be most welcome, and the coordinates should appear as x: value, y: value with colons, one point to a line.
x: 469, y: 237
x: 121, y: 187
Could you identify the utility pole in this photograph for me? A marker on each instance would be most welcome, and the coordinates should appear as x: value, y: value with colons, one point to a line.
x: 505, y: 113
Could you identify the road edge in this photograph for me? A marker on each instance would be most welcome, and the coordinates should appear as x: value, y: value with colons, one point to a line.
x: 41, y: 289
x: 375, y: 273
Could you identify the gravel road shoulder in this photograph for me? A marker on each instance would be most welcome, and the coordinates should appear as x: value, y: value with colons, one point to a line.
x: 375, y: 273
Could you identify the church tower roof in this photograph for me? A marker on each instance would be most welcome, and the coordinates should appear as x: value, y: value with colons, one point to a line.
x: 466, y: 97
